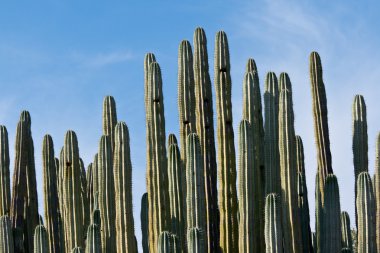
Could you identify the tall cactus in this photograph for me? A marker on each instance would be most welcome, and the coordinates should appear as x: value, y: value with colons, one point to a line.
x: 51, y: 195
x: 109, y: 118
x: 83, y: 194
x: 144, y: 223
x: 365, y: 204
x: 157, y: 185
x: 149, y: 58
x: 93, y: 243
x: 24, y: 206
x: 226, y: 148
x: 247, y: 166
x: 165, y: 244
x: 41, y: 241
x: 122, y: 166
x: 331, y: 226
x: 90, y: 187
x: 377, y: 191
x: 273, y: 228
x: 205, y: 130
x: 6, y: 235
x: 287, y: 140
x: 195, y: 241
x: 95, y: 178
x: 106, y: 195
x: 5, y: 187
x: 77, y: 250
x: 321, y: 128
x: 272, y: 156
x: 346, y: 230
x: 176, y: 195
x: 318, y: 216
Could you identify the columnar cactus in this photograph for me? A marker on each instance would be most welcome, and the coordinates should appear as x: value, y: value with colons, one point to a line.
x: 41, y: 241
x: 165, y: 244
x: 83, y: 194
x: 93, y: 243
x: 157, y: 185
x: 122, y: 168
x: 144, y: 223
x: 272, y: 156
x: 318, y: 216
x: 176, y: 245
x: 377, y: 191
x: 365, y: 204
x: 195, y: 241
x: 90, y: 187
x: 247, y: 175
x: 6, y: 235
x: 24, y: 206
x: 346, y: 230
x: 95, y: 217
x: 149, y: 58
x: 346, y: 250
x: 77, y: 250
x: 176, y: 195
x: 95, y: 180
x: 287, y: 140
x: 51, y: 195
x: 303, y: 202
x: 205, y: 130
x: 273, y: 228
x: 5, y: 187
x: 106, y: 196
x: 109, y: 118
x: 321, y: 128
x: 226, y: 148
x: 331, y: 226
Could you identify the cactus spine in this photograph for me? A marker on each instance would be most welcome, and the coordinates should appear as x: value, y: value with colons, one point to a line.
x: 5, y: 187
x: 6, y: 235
x: 109, y: 119
x: 51, y: 195
x: 24, y: 206
x: 93, y: 243
x: 41, y: 242
x: 195, y: 241
x: 247, y: 167
x: 226, y: 148
x: 290, y: 212
x: 272, y: 156
x: 365, y: 204
x: 122, y: 166
x: 144, y: 223
x: 273, y: 229
x: 205, y: 130
x: 346, y: 231
x: 377, y: 191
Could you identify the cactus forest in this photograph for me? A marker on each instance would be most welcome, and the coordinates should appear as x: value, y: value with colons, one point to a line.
x: 203, y: 194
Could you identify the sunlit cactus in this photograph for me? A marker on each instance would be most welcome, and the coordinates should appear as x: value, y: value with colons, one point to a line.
x: 122, y: 172
x: 41, y: 241
x: 273, y: 226
x: 77, y: 250
x: 176, y: 246
x: 109, y: 118
x: 205, y: 130
x: 93, y: 242
x: 83, y: 194
x: 149, y: 58
x: 195, y: 241
x: 144, y: 223
x: 227, y: 196
x: 5, y: 187
x: 318, y: 216
x: 346, y: 230
x: 6, y: 235
x: 165, y: 244
x: 90, y: 187
x: 365, y: 204
x: 376, y: 186
x: 95, y: 178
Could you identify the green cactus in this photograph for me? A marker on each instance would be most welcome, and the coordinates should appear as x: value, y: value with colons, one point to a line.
x: 376, y: 187
x: 287, y: 145
x: 273, y: 229
x: 51, y: 195
x: 195, y: 241
x: 85, y: 204
x: 90, y: 187
x: 149, y: 58
x: 205, y: 131
x: 93, y: 243
x: 331, y: 234
x: 144, y: 223
x: 5, y: 187
x: 365, y: 204
x: 122, y: 168
x: 6, y: 235
x: 346, y: 250
x: 109, y: 119
x: 41, y: 241
x: 354, y: 236
x: 247, y: 167
x: 226, y: 148
x: 106, y: 196
x: 77, y: 250
x: 95, y: 180
x: 318, y: 216
x: 176, y: 195
x: 176, y: 245
x: 165, y: 244
x: 24, y: 205
x: 96, y: 218
x: 346, y: 230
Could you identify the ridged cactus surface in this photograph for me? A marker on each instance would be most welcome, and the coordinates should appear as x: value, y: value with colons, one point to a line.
x: 376, y: 186
x: 195, y: 241
x: 273, y: 226
x: 93, y: 242
x: 165, y: 244
x: 144, y: 223
x: 5, y: 187
x: 109, y: 118
x: 41, y: 241
x: 346, y: 230
x: 77, y: 250
x: 83, y: 195
x: 90, y: 187
x: 6, y: 235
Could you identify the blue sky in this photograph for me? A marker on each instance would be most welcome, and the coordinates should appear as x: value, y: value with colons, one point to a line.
x: 58, y: 59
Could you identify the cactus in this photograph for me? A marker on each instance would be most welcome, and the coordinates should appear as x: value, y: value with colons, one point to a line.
x: 157, y: 185
x: 144, y: 223
x: 6, y: 235
x: 90, y: 187
x: 122, y: 166
x: 5, y: 187
x: 287, y: 140
x: 365, y: 204
x: 176, y: 245
x: 149, y: 58
x: 41, y: 241
x: 273, y: 230
x: 321, y: 129
x: 272, y: 156
x: 331, y: 233
x: 195, y: 241
x: 226, y: 149
x: 24, y: 205
x: 96, y: 218
x: 205, y: 131
x: 354, y: 236
x: 77, y: 250
x: 109, y: 119
x: 346, y: 250
x: 51, y: 195
x: 95, y: 180
x: 314, y: 242
x: 247, y: 167
x: 376, y: 187
x: 93, y: 243
x: 176, y: 195
x: 165, y: 244
x: 106, y: 196
x: 83, y: 194
x: 346, y: 230
x: 318, y: 216
x: 303, y: 202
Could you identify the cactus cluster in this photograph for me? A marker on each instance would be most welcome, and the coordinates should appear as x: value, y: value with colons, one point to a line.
x: 194, y: 203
